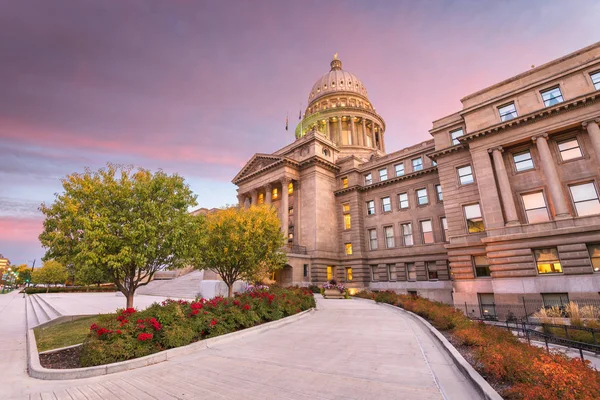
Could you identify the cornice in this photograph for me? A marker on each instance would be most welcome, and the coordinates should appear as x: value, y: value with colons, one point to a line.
x: 335, y: 111
x: 452, y: 149
x: 316, y: 160
x: 386, y: 182
x: 281, y: 161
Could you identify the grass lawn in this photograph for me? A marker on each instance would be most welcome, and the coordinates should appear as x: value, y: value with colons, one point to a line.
x: 64, y: 334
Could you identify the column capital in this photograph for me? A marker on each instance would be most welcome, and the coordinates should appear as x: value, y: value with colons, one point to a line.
x: 541, y: 135
x: 497, y: 148
x: 285, y: 180
x: 268, y: 186
x: 586, y: 123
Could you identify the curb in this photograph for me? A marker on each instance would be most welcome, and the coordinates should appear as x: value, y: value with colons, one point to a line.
x: 482, y: 386
x: 37, y: 371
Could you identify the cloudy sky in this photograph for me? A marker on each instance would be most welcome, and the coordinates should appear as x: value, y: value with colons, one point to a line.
x: 198, y: 87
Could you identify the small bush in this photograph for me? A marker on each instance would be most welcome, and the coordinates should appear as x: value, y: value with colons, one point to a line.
x: 70, y: 289
x: 387, y: 297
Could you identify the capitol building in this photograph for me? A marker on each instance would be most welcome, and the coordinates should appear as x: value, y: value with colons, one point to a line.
x: 501, y: 204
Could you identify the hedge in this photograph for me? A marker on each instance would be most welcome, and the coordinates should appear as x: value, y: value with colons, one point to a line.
x: 70, y: 289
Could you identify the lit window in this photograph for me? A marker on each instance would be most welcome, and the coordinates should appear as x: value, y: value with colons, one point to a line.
x: 422, y: 197
x: 594, y: 251
x: 348, y: 249
x: 507, y: 112
x: 585, y: 198
x: 547, y: 261
x: 347, y: 221
x: 465, y: 175
x: 391, y: 272
x: 399, y: 169
x: 403, y: 199
x: 291, y: 211
x: 596, y: 79
x: 348, y: 274
x: 455, y: 135
x: 427, y: 232
x: 535, y: 207
x: 407, y: 234
x: 569, y: 149
x: 373, y: 272
x: 346, y: 207
x: 290, y: 188
x: 368, y: 179
x: 482, y: 266
x: 386, y: 204
x: 329, y: 272
x: 261, y: 198
x: 344, y: 183
x: 432, y: 273
x: 474, y: 219
x: 411, y: 272
x: 373, y: 239
x: 523, y: 161
x: 445, y: 228
x: 371, y: 207
x: 275, y: 193
x: 417, y: 164
x: 438, y: 191
x: 552, y: 96
x: 383, y: 174
x: 389, y: 237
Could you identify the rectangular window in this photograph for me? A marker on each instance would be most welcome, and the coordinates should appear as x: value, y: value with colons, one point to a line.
x: 391, y: 269
x: 373, y: 239
x: 596, y: 79
x: 465, y: 175
x: 438, y: 191
x: 482, y: 266
x: 507, y: 112
x: 344, y: 183
x: 474, y: 218
x: 399, y: 169
x: 594, y: 251
x: 347, y: 221
x: 403, y: 200
x: 547, y: 261
x: 585, y: 198
x: 261, y: 198
x: 427, y: 232
x: 552, y: 96
x: 432, y: 273
x: 274, y: 194
x: 305, y: 270
x: 291, y: 188
x: 349, y: 274
x: 389, y: 237
x: 444, y: 228
x: 348, y: 249
x: 555, y: 299
x: 535, y: 207
x: 346, y: 207
x: 417, y: 164
x: 455, y: 135
x: 374, y: 273
x: 383, y: 174
x: 523, y: 161
x: 411, y: 272
x: 291, y: 211
x: 368, y: 179
x: 371, y: 207
x: 407, y: 234
x: 569, y: 149
x: 487, y: 305
x: 330, y: 272
x: 386, y: 204
x: 422, y: 197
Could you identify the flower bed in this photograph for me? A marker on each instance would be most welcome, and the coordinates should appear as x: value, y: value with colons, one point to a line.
x: 131, y: 334
x: 70, y: 289
x: 518, y: 370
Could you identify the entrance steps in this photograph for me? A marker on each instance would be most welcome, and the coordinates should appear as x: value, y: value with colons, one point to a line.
x: 185, y: 287
x: 39, y: 311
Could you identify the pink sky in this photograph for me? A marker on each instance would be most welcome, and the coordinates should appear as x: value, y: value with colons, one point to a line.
x: 198, y: 87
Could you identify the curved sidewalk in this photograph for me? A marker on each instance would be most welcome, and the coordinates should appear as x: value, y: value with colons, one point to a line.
x: 348, y: 349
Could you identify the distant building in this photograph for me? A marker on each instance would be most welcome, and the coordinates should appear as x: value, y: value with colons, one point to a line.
x: 4, y: 263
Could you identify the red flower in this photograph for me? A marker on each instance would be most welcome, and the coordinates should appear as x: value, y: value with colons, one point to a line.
x: 142, y: 337
x: 213, y: 322
x: 141, y: 326
x: 236, y: 302
x: 102, y: 331
x: 247, y: 307
x: 155, y: 324
x: 94, y: 327
x: 119, y: 331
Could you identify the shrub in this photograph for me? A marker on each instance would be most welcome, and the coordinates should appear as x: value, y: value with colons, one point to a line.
x: 387, y: 297
x: 70, y: 289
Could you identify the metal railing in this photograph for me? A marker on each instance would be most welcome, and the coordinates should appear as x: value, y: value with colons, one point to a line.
x: 295, y: 249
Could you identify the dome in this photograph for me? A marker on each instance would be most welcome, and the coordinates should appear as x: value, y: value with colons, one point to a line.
x: 336, y: 80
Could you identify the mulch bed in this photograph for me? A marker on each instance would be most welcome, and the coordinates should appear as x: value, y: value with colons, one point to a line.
x: 63, y: 359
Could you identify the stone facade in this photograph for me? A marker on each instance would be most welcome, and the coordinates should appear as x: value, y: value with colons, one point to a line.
x: 510, y: 210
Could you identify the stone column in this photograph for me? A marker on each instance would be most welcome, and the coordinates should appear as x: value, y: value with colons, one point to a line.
x: 504, y: 183
x: 284, y: 207
x: 327, y: 129
x: 375, y: 145
x: 363, y: 135
x: 254, y: 194
x: 490, y: 206
x: 373, y: 134
x: 268, y: 192
x: 552, y: 179
x: 339, y: 132
x: 296, y: 212
x: 247, y: 202
x: 353, y: 140
x: 594, y: 134
x: 241, y: 199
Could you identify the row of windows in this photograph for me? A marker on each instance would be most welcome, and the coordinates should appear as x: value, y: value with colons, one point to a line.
x: 568, y: 149
x: 409, y: 271
x: 584, y: 196
x: 406, y: 235
x: 421, y: 199
x: 274, y: 193
x: 399, y: 170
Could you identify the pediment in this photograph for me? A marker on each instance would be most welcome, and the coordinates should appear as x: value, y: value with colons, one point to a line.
x: 257, y: 163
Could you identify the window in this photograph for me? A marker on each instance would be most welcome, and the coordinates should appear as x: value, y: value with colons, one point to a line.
x: 596, y: 79
x: 535, y: 207
x: 555, y: 299
x: 465, y: 175
x: 330, y: 272
x: 434, y: 163
x: 344, y: 182
x: 371, y: 207
x: 482, y: 266
x: 368, y: 179
x: 585, y: 198
x: 403, y: 200
x: 422, y: 197
x: 348, y: 249
x: 391, y: 272
x: 487, y: 305
x: 569, y: 149
x: 507, y: 112
x: 474, y: 219
x: 274, y: 193
x: 432, y: 273
x: 427, y: 232
x: 438, y: 191
x: 346, y: 207
x: 407, y: 234
x: 373, y: 239
x: 347, y: 221
x: 417, y: 164
x: 305, y: 270
x: 261, y: 198
x: 386, y: 204
x: 455, y: 135
x: 411, y: 272
x: 552, y: 96
x: 523, y: 161
x: 594, y: 250
x: 399, y: 169
x: 290, y: 188
x: 383, y: 174
x: 444, y: 228
x: 373, y: 273
x: 389, y: 237
x: 348, y: 274
x: 547, y: 261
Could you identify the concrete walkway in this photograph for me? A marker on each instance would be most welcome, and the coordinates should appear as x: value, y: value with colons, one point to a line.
x: 348, y: 349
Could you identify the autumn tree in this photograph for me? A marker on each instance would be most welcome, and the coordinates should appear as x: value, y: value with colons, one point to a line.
x: 51, y: 273
x: 239, y: 244
x: 23, y: 274
x: 126, y: 222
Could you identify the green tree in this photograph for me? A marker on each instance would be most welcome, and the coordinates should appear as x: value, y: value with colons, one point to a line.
x: 51, y: 273
x: 90, y: 275
x: 23, y: 274
x: 127, y: 222
x: 238, y: 243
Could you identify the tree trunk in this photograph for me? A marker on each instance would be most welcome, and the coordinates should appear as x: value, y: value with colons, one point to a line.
x: 230, y: 290
x: 47, y: 288
x: 129, y: 300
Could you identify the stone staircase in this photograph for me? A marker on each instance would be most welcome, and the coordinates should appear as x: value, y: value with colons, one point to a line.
x: 39, y: 311
x: 186, y: 287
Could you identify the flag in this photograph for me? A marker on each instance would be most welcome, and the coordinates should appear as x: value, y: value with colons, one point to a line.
x: 286, y: 122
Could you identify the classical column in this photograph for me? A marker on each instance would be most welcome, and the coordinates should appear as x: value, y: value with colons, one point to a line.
x: 353, y: 140
x: 554, y: 184
x: 375, y: 144
x: 339, y: 132
x: 504, y: 183
x: 254, y: 194
x: 490, y: 205
x: 268, y: 192
x: 284, y: 207
x: 240, y: 198
x: 247, y: 202
x: 327, y: 129
x: 296, y: 212
x: 594, y: 134
x: 363, y: 135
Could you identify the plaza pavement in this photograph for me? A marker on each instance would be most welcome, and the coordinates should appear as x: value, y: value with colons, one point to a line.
x: 348, y: 349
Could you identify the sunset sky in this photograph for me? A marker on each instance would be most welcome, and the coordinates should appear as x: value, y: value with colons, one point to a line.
x: 198, y: 87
